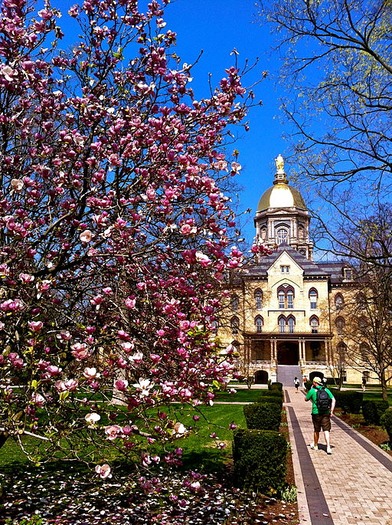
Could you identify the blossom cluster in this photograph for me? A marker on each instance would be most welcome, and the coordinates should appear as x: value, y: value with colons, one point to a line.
x: 115, y: 224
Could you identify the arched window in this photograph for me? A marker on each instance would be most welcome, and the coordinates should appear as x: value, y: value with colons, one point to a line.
x: 290, y: 299
x: 282, y: 235
x: 341, y: 350
x: 339, y: 301
x: 361, y: 300
x: 363, y: 323
x: 259, y: 299
x: 313, y: 296
x: 282, y: 324
x: 235, y: 303
x: 364, y: 350
x: 235, y: 325
x: 281, y: 299
x: 291, y: 324
x: 286, y: 296
x: 340, y: 324
x: 314, y: 324
x: 259, y: 324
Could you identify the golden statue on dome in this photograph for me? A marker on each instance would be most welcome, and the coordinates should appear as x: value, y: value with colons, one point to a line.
x: 279, y: 162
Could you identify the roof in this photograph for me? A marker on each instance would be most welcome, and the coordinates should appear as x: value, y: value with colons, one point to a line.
x: 310, y: 268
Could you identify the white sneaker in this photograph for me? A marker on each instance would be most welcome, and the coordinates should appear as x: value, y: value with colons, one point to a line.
x: 329, y: 450
x: 313, y: 446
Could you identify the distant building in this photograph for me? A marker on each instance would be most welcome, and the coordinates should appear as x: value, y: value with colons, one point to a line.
x: 286, y: 309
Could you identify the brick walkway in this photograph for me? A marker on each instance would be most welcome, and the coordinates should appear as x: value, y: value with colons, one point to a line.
x: 353, y: 486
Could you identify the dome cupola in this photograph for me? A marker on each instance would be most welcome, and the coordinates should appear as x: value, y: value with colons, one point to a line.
x: 282, y: 216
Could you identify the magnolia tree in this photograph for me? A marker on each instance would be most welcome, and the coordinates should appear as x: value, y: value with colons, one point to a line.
x: 115, y: 228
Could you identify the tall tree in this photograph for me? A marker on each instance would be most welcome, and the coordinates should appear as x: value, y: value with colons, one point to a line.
x: 115, y: 225
x: 337, y: 65
x: 365, y: 323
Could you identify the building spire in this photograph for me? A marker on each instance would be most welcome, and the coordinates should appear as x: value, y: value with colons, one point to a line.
x: 280, y: 175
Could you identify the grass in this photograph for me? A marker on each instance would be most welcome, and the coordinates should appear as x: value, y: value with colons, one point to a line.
x: 198, y: 446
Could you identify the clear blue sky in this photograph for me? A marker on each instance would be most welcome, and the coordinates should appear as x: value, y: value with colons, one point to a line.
x: 216, y: 27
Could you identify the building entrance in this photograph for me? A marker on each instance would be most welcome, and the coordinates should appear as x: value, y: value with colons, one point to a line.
x: 288, y: 353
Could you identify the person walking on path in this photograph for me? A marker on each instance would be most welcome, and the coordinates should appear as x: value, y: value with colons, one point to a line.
x: 296, y: 383
x: 322, y: 409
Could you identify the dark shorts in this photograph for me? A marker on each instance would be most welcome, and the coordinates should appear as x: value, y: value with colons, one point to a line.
x: 321, y: 422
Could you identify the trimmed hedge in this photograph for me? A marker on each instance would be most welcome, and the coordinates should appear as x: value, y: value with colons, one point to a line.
x: 263, y: 416
x: 386, y: 422
x: 373, y: 410
x: 349, y: 401
x: 271, y: 399
x: 260, y: 460
x: 275, y: 386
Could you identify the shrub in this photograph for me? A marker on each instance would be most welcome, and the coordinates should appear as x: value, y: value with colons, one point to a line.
x: 386, y: 422
x: 260, y: 460
x: 275, y: 386
x: 271, y: 399
x: 349, y: 401
x: 274, y: 393
x: 373, y: 410
x: 263, y: 416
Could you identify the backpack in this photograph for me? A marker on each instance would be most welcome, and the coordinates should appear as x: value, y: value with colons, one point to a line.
x: 323, y: 401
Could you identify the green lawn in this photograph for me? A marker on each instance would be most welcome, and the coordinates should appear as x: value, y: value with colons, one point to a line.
x: 200, y: 449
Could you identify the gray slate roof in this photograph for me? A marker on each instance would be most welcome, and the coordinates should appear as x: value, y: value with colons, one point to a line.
x: 310, y: 268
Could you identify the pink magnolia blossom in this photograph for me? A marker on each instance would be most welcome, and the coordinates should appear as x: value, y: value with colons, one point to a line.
x: 104, y: 471
x: 92, y: 418
x: 91, y: 373
x: 80, y: 351
x: 35, y: 326
x: 86, y: 236
x: 113, y: 432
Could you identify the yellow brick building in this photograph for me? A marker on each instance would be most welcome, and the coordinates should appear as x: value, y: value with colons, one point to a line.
x: 285, y: 309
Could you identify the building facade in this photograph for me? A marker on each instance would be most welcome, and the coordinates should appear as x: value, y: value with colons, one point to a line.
x: 286, y: 309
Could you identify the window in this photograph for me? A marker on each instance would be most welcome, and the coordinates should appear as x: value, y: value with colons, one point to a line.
x: 313, y: 296
x: 286, y: 296
x: 235, y: 303
x: 348, y: 274
x: 314, y: 324
x: 340, y: 324
x: 285, y: 268
x: 235, y: 325
x: 282, y: 235
x: 281, y: 298
x: 341, y: 350
x: 259, y: 299
x: 291, y: 324
x: 259, y: 324
x: 339, y: 301
x: 290, y: 299
x: 282, y: 324
x: 361, y: 300
x: 363, y: 323
x: 364, y: 350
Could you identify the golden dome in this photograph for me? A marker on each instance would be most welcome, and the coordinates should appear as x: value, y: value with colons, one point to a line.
x: 281, y: 195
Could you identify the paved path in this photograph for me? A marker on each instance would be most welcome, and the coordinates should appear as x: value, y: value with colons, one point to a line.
x: 353, y: 486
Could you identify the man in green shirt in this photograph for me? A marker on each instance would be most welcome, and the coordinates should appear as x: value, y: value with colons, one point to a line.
x: 321, y: 418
